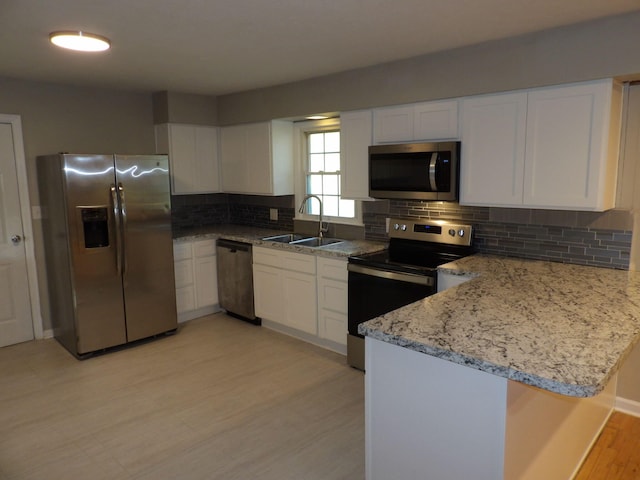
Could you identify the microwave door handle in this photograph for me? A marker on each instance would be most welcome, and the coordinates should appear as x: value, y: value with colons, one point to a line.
x: 432, y: 172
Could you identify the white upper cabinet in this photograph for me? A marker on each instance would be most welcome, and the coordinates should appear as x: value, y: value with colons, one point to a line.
x: 573, y: 135
x: 257, y: 158
x: 415, y: 122
x: 493, y: 145
x: 193, y: 156
x: 552, y: 148
x: 355, y: 138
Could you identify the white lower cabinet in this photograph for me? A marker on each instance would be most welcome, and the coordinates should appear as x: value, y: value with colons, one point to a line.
x: 196, y: 278
x: 284, y: 286
x: 302, y: 295
x: 332, y: 300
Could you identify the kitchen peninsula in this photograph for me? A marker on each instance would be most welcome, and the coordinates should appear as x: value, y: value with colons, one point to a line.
x: 510, y: 375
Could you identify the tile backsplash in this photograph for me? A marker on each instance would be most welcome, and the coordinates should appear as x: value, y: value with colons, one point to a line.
x: 188, y: 211
x: 600, y: 239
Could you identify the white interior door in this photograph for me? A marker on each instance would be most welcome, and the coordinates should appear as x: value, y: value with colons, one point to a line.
x: 16, y: 324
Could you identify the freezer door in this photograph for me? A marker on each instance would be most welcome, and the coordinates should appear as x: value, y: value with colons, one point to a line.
x: 99, y: 306
x: 148, y: 279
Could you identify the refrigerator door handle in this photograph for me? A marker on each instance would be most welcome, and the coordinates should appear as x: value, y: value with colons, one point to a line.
x: 123, y: 229
x: 116, y: 217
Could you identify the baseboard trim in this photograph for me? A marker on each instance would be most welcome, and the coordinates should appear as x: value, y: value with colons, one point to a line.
x: 630, y: 407
x: 201, y: 312
x: 306, y: 337
x: 48, y: 333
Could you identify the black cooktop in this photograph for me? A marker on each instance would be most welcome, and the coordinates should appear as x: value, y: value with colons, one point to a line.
x: 408, y: 256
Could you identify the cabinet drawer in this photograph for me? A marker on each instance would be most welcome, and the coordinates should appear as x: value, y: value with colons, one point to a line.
x: 182, y: 251
x: 299, y: 262
x: 204, y: 248
x: 266, y: 256
x: 331, y: 268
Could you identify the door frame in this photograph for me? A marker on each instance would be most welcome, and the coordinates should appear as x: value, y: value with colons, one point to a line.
x: 25, y: 215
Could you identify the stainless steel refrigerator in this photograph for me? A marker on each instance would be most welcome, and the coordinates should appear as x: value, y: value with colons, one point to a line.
x: 108, y: 248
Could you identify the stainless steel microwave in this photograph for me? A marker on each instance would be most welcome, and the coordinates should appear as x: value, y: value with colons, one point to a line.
x: 419, y: 171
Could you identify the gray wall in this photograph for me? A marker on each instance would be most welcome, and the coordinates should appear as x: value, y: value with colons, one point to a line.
x: 172, y: 107
x: 599, y: 49
x: 63, y: 118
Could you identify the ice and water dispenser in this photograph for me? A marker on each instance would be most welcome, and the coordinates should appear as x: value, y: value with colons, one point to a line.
x: 95, y: 226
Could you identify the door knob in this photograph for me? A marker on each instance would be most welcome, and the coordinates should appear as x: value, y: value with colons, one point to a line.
x: 16, y: 239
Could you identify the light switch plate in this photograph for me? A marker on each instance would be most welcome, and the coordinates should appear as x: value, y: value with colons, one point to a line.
x: 273, y: 214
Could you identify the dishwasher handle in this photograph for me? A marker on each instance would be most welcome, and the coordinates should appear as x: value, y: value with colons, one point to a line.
x: 234, y: 246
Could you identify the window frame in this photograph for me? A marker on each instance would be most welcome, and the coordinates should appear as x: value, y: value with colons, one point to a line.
x: 301, y: 129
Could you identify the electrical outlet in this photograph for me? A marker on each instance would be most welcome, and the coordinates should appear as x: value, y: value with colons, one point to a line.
x: 387, y: 224
x: 273, y: 214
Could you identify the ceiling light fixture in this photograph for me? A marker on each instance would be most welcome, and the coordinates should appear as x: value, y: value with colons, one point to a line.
x: 80, y: 41
x: 317, y: 117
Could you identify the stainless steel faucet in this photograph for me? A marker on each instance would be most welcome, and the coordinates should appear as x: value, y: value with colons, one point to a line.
x: 321, y: 228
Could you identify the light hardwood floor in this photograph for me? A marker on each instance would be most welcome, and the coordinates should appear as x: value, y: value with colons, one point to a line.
x: 616, y: 453
x: 222, y: 399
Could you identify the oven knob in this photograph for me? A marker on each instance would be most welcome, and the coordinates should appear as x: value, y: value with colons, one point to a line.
x: 452, y: 232
x: 461, y: 232
x: 396, y: 227
x: 403, y: 227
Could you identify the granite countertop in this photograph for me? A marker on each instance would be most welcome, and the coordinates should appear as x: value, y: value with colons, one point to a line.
x: 563, y: 328
x: 243, y: 233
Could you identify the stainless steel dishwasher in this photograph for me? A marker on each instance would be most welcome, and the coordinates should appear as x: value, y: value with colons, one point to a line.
x: 235, y: 279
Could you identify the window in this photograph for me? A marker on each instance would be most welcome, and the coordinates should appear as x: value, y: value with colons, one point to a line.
x: 320, y: 173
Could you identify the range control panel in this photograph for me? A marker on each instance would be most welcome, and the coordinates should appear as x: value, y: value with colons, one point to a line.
x: 439, y: 231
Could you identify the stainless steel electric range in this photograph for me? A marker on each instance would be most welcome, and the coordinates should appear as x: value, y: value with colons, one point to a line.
x: 406, y: 272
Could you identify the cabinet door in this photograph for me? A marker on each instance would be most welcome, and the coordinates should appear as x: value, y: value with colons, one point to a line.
x: 233, y: 158
x: 258, y: 170
x: 183, y: 271
x: 393, y: 124
x: 436, y: 120
x: 185, y: 299
x: 300, y: 301
x: 253, y: 154
x: 182, y: 157
x: 333, y: 326
x: 206, y: 281
x: 268, y: 293
x: 567, y: 147
x: 206, y: 169
x: 193, y: 157
x: 355, y: 138
x: 332, y: 311
x: 493, y: 146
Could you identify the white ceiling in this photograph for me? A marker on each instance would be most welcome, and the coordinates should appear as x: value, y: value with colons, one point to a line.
x: 222, y: 46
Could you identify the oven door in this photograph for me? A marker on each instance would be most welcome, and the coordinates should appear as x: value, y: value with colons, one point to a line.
x: 374, y: 292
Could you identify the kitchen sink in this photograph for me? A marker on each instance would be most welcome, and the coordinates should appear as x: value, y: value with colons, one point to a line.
x: 285, y: 238
x: 316, y: 241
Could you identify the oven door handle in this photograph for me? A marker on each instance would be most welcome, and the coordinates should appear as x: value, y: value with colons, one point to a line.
x: 402, y: 277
